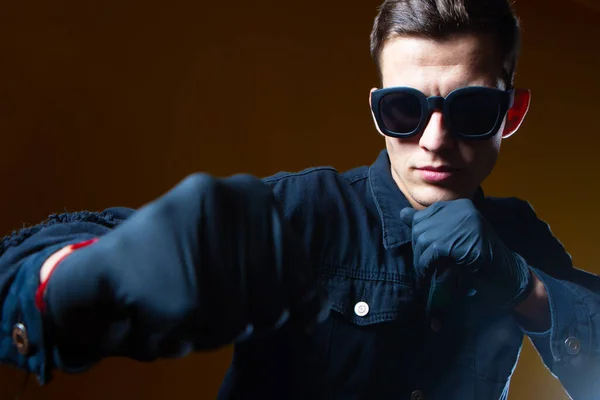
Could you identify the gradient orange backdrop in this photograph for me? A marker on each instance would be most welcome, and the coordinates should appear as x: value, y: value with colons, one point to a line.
x: 107, y: 103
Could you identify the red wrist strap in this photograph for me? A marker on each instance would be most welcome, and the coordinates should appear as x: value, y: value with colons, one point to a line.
x: 50, y: 265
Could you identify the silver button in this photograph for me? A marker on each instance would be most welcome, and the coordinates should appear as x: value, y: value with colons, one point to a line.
x: 20, y: 339
x: 361, y: 308
x: 416, y: 395
x: 573, y: 345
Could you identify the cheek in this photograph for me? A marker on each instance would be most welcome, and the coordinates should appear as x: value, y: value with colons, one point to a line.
x: 399, y: 151
x: 482, y: 155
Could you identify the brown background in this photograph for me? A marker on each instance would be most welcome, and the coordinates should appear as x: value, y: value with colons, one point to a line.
x: 111, y: 103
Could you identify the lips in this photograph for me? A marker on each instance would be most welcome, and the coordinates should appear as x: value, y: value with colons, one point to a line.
x: 441, y: 168
x: 436, y: 174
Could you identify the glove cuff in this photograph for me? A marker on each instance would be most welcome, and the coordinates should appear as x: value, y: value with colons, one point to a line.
x: 48, y: 268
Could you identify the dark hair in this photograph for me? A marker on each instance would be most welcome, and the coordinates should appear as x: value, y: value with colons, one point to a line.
x: 437, y: 19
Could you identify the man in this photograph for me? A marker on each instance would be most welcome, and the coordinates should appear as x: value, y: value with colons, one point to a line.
x: 429, y: 285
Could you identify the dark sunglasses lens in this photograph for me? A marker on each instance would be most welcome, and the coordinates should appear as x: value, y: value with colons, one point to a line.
x: 400, y: 112
x: 474, y: 114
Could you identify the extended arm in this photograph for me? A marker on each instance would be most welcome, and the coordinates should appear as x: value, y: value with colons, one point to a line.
x: 209, y: 263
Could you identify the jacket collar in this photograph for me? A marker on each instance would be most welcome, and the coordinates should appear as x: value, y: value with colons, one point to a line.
x: 390, y: 200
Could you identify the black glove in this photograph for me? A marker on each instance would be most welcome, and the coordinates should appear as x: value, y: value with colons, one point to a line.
x: 453, y: 244
x: 209, y: 263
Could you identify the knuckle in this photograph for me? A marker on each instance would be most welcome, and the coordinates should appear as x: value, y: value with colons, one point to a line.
x: 236, y: 187
x: 422, y: 239
x: 183, y: 204
x: 249, y: 185
x: 194, y: 186
x: 436, y: 248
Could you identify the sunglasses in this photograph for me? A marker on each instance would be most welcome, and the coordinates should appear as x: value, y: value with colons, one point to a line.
x: 473, y: 112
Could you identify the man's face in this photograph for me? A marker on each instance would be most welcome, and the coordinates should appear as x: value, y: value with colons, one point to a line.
x: 435, y: 165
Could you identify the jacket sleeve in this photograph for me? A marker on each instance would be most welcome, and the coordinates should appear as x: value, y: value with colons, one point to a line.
x: 570, y: 349
x: 24, y: 343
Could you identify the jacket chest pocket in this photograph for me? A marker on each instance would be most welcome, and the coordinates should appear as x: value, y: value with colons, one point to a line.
x: 372, y: 324
x: 365, y: 299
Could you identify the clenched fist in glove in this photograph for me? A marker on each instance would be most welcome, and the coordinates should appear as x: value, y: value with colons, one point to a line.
x: 209, y: 263
x: 452, y: 240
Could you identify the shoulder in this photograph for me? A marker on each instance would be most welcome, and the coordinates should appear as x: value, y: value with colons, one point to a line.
x: 520, y: 227
x: 315, y: 177
x: 318, y: 194
x: 511, y: 208
x: 318, y: 189
x: 512, y: 216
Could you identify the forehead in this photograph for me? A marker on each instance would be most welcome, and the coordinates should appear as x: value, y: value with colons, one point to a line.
x: 436, y: 67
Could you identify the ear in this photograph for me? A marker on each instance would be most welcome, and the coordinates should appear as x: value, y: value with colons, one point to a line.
x: 516, y: 114
x: 373, y: 115
x: 371, y: 91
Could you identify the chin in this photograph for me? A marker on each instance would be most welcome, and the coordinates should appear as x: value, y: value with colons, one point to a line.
x: 428, y: 195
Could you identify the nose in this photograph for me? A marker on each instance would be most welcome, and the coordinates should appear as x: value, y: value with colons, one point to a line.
x: 436, y: 136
